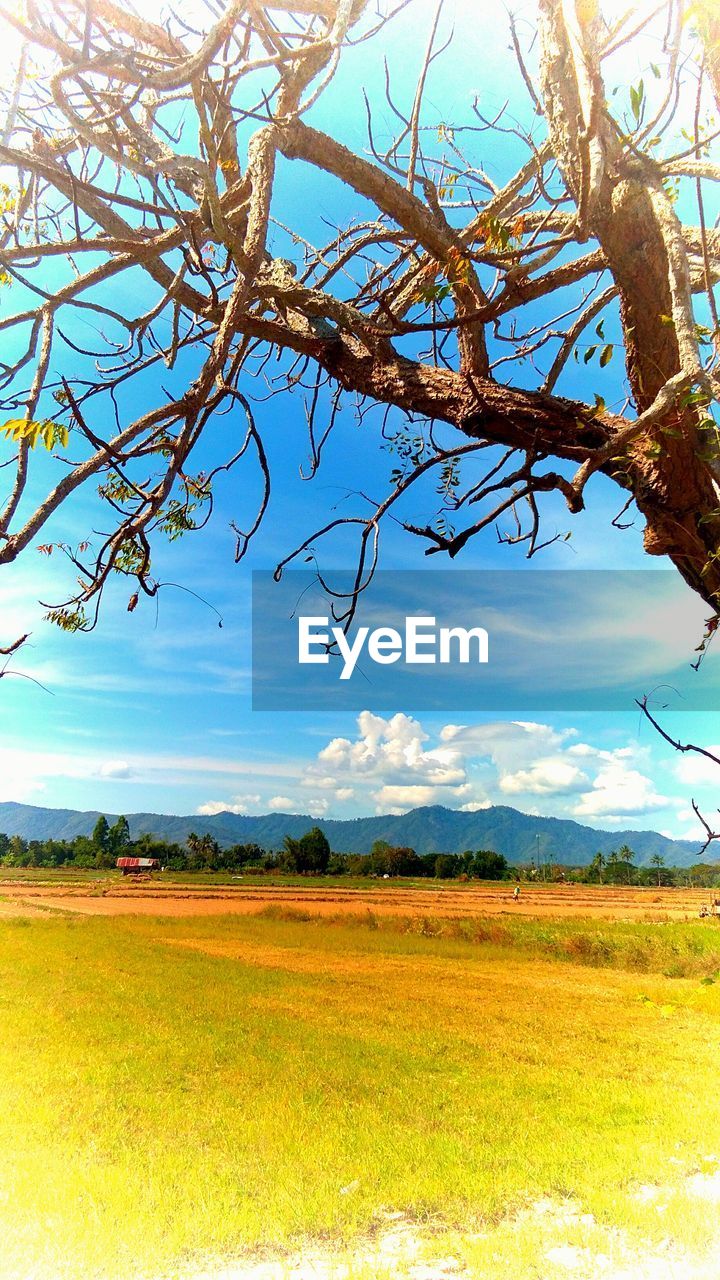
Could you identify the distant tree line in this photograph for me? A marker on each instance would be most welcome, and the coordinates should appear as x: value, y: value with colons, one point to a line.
x: 311, y: 855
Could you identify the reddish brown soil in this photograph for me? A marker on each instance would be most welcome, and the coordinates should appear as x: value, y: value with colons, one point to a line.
x: 17, y: 908
x: 460, y: 901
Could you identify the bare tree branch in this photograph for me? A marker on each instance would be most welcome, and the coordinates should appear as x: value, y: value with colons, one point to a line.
x: 142, y: 156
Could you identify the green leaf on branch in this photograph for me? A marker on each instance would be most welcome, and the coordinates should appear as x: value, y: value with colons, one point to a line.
x: 68, y: 619
x: 637, y: 97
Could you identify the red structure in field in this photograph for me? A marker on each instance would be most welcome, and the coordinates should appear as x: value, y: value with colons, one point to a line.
x: 136, y: 866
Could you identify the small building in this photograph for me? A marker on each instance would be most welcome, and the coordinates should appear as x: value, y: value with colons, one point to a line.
x: 137, y: 866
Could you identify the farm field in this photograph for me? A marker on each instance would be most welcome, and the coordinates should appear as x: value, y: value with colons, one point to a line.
x: 109, y: 894
x: 267, y: 1095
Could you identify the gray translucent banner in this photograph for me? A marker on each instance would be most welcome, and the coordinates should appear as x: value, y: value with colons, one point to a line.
x: 474, y: 640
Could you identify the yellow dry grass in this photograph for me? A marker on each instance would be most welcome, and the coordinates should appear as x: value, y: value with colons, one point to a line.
x: 173, y: 1089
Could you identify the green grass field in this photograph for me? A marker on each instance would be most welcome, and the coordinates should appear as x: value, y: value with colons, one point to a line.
x: 176, y: 1089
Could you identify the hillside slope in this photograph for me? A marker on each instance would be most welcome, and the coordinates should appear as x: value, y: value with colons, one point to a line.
x: 428, y: 830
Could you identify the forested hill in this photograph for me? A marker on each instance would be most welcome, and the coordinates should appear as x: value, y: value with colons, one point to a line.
x: 428, y: 830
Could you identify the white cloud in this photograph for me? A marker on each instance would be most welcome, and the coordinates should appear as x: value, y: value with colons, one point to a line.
x: 552, y: 777
x: 395, y: 765
x: 19, y: 787
x: 213, y: 807
x: 237, y: 804
x: 116, y: 769
x: 394, y: 799
x: 393, y: 753
x: 617, y: 790
x: 695, y: 830
x: 695, y: 770
x: 281, y: 804
x: 392, y: 763
x: 510, y: 745
x: 249, y: 802
x: 392, y: 749
x: 23, y: 773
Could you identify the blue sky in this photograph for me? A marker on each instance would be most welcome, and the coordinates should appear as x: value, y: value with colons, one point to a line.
x: 152, y: 711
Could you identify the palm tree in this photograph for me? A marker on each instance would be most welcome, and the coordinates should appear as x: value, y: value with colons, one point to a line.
x: 625, y: 855
x: 658, y: 862
x: 204, y: 851
x: 597, y: 864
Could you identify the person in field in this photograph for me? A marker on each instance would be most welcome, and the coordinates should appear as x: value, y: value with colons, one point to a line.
x: 516, y: 893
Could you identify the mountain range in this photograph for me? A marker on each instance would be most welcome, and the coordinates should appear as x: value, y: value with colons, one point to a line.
x: 432, y: 829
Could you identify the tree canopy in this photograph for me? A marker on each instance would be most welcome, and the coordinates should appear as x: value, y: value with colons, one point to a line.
x: 146, y: 153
